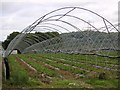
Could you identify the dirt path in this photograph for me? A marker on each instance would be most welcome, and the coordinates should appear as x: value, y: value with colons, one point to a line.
x: 26, y: 66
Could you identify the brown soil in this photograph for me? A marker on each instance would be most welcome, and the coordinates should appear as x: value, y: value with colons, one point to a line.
x: 33, y: 72
x: 66, y: 74
x: 44, y: 64
x: 44, y: 78
x: 63, y: 74
x: 29, y: 68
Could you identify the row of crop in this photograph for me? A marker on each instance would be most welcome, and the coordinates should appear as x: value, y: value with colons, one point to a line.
x: 82, y: 58
x: 59, y: 65
x: 19, y: 76
x: 88, y: 58
x: 39, y: 67
x: 68, y: 62
x: 86, y: 66
x: 22, y: 78
x: 82, y: 66
x: 93, y: 60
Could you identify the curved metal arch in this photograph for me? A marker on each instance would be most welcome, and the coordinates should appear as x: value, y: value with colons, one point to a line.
x: 48, y: 41
x: 31, y: 40
x: 73, y: 17
x: 35, y: 39
x: 104, y: 38
x: 46, y: 27
x: 66, y: 23
x: 50, y: 28
x: 41, y: 36
x: 57, y: 26
x: 28, y: 42
x: 71, y: 24
x: 76, y: 18
x: 66, y: 14
x: 41, y: 19
x: 34, y: 36
x: 79, y: 19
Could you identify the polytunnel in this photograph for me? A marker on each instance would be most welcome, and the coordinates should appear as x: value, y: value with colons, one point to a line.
x: 80, y: 31
x: 69, y: 30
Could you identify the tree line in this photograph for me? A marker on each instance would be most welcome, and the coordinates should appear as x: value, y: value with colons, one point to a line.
x: 37, y: 37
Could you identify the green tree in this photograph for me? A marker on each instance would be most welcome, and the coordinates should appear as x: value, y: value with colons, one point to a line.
x: 9, y: 39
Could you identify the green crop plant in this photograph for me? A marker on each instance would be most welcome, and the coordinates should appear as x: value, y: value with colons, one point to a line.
x: 18, y: 74
x: 40, y: 68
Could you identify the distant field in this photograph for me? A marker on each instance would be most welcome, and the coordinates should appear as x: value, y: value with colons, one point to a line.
x: 62, y: 71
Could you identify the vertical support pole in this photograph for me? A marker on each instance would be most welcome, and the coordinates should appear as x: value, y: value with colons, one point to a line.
x: 119, y: 44
x: 7, y: 69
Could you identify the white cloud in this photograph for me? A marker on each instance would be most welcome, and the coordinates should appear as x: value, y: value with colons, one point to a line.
x: 18, y: 14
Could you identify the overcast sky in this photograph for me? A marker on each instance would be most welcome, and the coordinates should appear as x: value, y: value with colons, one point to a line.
x: 15, y: 15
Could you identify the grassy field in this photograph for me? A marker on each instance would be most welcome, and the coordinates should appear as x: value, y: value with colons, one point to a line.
x: 62, y: 71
